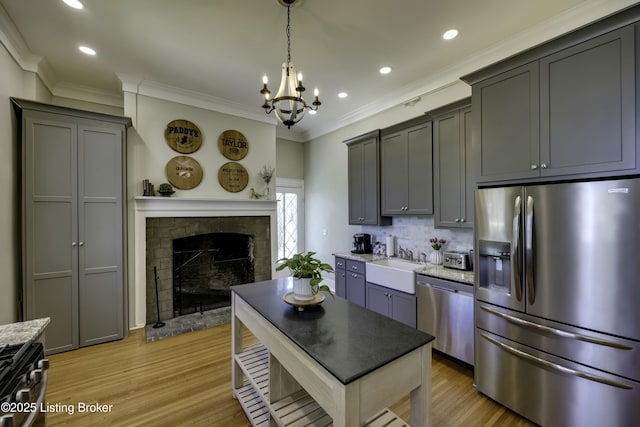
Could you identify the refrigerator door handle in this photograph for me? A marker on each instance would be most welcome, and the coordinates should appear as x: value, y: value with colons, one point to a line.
x: 531, y: 289
x: 516, y: 251
x: 554, y: 366
x: 554, y: 331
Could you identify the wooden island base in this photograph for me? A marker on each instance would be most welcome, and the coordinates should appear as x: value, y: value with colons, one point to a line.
x: 278, y: 384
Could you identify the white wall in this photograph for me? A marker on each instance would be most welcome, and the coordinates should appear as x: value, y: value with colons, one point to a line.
x: 327, y: 224
x: 290, y: 159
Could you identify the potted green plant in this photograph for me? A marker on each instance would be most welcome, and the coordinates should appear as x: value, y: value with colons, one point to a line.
x: 165, y: 189
x: 307, y: 273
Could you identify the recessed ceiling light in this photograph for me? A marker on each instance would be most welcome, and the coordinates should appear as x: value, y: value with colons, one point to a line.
x: 385, y: 70
x: 343, y: 95
x: 450, y: 34
x: 74, y: 4
x: 87, y: 50
x: 313, y: 112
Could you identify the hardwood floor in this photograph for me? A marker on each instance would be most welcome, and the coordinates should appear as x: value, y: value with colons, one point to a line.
x: 186, y: 381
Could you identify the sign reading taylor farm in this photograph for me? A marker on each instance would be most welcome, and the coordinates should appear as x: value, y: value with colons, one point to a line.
x: 183, y: 136
x: 184, y: 172
x: 233, y: 177
x: 233, y: 144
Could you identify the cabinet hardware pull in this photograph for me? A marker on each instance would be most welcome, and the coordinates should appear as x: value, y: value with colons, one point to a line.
x: 457, y: 219
x: 81, y: 243
x: 462, y: 220
x: 544, y: 166
x: 534, y: 167
x: 74, y: 244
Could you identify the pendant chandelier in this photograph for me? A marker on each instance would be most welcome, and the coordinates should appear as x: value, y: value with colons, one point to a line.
x: 288, y: 103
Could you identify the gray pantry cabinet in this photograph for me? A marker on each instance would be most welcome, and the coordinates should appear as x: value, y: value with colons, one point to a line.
x: 406, y: 168
x: 364, y: 180
x: 397, y: 305
x: 454, y: 180
x: 73, y: 223
x: 565, y: 109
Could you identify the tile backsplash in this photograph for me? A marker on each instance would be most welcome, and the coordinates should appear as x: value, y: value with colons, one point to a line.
x: 414, y: 232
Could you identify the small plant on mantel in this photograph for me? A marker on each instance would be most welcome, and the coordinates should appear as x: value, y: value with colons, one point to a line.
x: 305, y: 266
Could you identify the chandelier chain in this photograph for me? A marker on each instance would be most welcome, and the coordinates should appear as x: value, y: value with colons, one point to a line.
x: 288, y: 34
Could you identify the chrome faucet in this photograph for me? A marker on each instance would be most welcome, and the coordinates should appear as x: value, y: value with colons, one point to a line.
x: 409, y: 254
x: 402, y: 252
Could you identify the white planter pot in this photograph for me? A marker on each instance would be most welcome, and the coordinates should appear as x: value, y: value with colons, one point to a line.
x: 302, y: 289
x: 435, y: 257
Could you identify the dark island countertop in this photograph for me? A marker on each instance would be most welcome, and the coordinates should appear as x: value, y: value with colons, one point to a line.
x: 346, y: 339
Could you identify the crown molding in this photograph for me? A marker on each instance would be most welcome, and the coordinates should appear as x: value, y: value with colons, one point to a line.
x: 12, y: 40
x: 165, y: 92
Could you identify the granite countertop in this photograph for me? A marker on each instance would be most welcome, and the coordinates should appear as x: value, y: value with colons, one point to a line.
x: 439, y: 271
x: 347, y: 340
x: 20, y: 332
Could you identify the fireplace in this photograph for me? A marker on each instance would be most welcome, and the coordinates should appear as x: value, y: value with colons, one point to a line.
x: 197, y: 259
x: 205, y: 267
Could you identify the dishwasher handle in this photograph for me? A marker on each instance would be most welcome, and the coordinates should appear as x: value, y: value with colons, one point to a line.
x: 444, y: 285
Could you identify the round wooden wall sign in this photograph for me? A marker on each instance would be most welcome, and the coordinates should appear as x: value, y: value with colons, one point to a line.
x: 233, y: 144
x: 184, y: 172
x: 233, y: 177
x: 183, y: 136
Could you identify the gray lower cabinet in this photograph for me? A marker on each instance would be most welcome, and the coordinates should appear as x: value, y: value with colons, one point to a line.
x: 355, y: 283
x: 73, y: 224
x: 391, y: 303
x: 454, y: 179
x: 406, y: 168
x: 570, y: 110
x: 341, y: 277
x: 364, y: 180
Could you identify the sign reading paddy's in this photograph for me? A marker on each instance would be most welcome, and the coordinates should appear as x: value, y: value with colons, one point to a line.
x: 183, y: 136
x: 233, y: 144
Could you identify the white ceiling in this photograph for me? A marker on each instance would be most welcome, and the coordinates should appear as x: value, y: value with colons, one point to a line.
x: 218, y: 50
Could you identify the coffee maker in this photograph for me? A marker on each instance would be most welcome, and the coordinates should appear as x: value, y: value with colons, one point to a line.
x: 362, y: 244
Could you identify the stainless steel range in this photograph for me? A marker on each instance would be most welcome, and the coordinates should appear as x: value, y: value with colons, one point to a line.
x: 23, y: 384
x: 557, y: 325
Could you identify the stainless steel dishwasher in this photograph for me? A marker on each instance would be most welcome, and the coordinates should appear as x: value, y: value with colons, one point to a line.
x: 445, y: 310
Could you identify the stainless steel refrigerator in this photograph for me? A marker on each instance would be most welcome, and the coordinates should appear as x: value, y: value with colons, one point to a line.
x: 557, y: 301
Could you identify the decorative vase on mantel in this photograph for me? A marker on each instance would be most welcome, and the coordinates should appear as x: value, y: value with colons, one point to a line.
x: 435, y: 257
x: 302, y: 289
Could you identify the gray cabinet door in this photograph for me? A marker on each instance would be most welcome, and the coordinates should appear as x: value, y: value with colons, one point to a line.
x: 454, y: 176
x: 587, y: 106
x: 50, y: 228
x: 403, y: 307
x: 507, y: 124
x: 355, y: 271
x: 394, y: 174
x: 100, y: 169
x: 378, y: 299
x: 420, y: 170
x: 406, y: 169
x: 364, y: 180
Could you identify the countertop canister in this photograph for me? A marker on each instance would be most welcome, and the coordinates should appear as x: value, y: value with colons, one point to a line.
x: 391, y: 245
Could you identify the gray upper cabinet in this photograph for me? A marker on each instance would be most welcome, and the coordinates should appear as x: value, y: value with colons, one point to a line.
x: 364, y: 180
x: 454, y: 179
x: 73, y: 225
x: 563, y: 110
x: 587, y: 100
x: 406, y: 168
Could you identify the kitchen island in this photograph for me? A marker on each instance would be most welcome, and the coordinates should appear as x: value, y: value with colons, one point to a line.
x: 336, y: 362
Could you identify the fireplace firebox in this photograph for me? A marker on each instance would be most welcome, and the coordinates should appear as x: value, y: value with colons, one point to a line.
x: 205, y: 267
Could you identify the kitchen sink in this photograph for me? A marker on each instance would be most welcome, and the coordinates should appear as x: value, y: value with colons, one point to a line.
x: 393, y: 273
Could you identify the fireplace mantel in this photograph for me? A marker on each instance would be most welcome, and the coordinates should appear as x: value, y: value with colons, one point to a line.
x: 183, y: 206
x: 154, y: 207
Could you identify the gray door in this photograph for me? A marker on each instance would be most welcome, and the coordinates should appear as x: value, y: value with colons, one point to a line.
x: 582, y: 251
x: 50, y: 251
x: 100, y: 233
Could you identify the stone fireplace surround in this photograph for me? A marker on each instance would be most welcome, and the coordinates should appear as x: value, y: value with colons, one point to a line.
x: 187, y: 211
